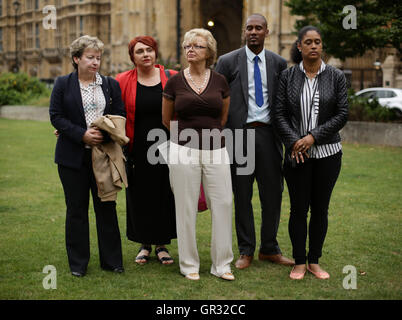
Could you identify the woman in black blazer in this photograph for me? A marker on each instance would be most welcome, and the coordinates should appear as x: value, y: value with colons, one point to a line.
x: 78, y: 99
x: 310, y: 109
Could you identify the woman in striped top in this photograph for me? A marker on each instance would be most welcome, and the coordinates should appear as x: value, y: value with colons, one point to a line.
x: 310, y: 109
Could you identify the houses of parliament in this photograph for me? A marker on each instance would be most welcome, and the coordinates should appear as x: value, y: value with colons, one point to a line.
x: 35, y: 34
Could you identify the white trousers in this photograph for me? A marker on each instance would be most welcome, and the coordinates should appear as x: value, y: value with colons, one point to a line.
x: 187, y: 169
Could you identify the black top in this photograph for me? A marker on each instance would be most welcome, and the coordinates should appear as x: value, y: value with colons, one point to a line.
x: 150, y: 201
x: 333, y: 106
x: 148, y: 116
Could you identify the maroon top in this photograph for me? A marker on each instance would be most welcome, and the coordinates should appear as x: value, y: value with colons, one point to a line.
x: 198, y: 111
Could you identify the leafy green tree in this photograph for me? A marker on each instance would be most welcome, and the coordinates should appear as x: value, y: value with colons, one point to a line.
x: 378, y: 24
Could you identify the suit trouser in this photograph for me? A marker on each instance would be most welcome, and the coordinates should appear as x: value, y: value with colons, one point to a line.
x: 268, y: 174
x: 310, y: 187
x: 186, y: 176
x: 76, y: 184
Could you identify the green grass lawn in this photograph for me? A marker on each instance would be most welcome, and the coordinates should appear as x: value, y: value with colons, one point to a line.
x: 364, y: 231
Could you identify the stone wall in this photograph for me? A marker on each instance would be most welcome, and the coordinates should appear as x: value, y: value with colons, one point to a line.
x: 377, y: 133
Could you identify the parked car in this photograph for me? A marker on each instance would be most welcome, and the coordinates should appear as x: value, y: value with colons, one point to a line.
x: 387, y: 97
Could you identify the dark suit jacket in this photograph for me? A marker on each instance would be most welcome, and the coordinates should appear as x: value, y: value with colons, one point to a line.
x: 67, y: 116
x: 233, y: 66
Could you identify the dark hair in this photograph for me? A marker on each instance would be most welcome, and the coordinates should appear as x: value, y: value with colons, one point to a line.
x: 295, y: 54
x: 147, y: 40
x: 260, y: 16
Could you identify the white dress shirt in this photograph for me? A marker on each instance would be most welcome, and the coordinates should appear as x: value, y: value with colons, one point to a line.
x: 256, y: 113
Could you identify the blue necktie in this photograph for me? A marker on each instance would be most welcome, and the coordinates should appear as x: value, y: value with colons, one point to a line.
x: 259, y: 99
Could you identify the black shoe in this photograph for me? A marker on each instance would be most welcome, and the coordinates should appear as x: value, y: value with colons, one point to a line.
x: 78, y: 274
x: 115, y: 270
x: 118, y: 270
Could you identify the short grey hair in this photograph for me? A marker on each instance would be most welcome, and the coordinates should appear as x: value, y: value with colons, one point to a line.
x: 79, y: 45
x: 209, y: 38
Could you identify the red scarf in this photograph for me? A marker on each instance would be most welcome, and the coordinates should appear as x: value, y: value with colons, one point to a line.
x: 128, y: 86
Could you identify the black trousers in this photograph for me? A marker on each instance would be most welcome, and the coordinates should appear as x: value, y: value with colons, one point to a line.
x: 310, y: 187
x: 268, y: 174
x: 76, y: 184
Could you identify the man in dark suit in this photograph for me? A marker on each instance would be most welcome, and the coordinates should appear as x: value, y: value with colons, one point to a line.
x: 253, y: 74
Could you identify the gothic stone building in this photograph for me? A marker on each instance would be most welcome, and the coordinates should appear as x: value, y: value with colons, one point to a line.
x: 27, y: 41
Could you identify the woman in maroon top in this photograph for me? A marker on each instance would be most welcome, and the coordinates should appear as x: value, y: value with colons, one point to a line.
x: 199, y: 99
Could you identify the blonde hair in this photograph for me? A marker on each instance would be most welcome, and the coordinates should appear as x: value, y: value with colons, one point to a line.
x: 79, y: 45
x: 209, y: 38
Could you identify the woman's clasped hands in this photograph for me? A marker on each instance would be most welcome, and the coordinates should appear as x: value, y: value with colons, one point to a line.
x: 301, y: 147
x: 93, y: 137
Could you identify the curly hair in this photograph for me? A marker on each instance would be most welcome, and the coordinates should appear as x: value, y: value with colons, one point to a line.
x: 79, y: 45
x: 209, y: 38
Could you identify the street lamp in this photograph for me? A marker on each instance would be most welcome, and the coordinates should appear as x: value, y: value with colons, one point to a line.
x: 16, y: 5
x: 378, y: 78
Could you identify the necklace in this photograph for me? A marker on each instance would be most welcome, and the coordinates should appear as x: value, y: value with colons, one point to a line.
x: 199, y: 88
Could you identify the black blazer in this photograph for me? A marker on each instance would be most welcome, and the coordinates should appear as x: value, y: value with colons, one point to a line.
x: 233, y: 66
x: 333, y: 110
x: 67, y: 116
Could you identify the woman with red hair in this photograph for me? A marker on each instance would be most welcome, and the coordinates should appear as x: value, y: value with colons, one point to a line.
x: 149, y: 199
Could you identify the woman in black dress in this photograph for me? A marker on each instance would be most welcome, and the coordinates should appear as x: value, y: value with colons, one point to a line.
x: 150, y: 201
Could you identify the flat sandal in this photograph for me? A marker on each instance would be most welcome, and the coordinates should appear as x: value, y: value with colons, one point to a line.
x: 163, y: 259
x: 143, y: 257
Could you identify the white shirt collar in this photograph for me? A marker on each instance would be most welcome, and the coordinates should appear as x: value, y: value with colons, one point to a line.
x: 251, y: 55
x: 97, y: 82
x: 322, y: 67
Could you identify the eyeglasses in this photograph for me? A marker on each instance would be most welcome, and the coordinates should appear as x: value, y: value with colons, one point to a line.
x: 195, y: 47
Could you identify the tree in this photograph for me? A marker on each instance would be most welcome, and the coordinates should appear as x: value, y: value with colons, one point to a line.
x: 378, y: 24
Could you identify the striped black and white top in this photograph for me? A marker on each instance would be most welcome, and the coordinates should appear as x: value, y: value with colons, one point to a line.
x: 310, y: 115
